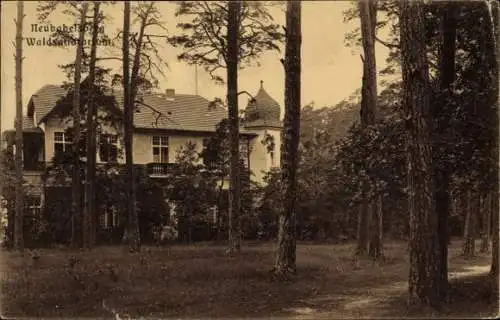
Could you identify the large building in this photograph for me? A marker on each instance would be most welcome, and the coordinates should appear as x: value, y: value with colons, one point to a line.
x: 163, y: 123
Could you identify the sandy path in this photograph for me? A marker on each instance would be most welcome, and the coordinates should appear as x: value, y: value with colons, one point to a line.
x: 367, y: 305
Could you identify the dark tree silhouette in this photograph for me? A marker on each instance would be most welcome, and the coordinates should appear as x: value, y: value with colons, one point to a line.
x: 424, y: 258
x: 285, y: 264
x: 19, y: 216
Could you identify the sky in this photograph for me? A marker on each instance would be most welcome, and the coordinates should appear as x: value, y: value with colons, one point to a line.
x: 330, y: 70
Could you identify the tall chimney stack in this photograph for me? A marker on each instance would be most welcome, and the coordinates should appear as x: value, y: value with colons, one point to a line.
x: 170, y: 94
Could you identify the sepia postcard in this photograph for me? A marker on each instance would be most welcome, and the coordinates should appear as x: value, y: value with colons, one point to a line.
x: 249, y: 159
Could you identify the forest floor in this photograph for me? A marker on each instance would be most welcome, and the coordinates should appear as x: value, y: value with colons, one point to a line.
x: 201, y: 281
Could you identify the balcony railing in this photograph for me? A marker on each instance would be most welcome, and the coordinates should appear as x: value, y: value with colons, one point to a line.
x: 162, y: 169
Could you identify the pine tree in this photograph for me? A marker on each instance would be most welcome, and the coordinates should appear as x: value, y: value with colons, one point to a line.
x: 89, y: 219
x: 285, y: 264
x: 205, y: 43
x: 442, y: 177
x: 234, y: 8
x: 19, y: 217
x: 76, y: 203
x: 424, y: 257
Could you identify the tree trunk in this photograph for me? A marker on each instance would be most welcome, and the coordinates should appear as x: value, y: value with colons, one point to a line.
x: 130, y: 83
x: 494, y: 240
x: 219, y: 205
x: 493, y: 12
x: 443, y: 174
x: 468, y: 247
x: 375, y: 248
x: 76, y: 199
x: 368, y: 17
x: 364, y: 217
x: 286, y: 252
x: 90, y: 219
x: 2, y: 169
x: 486, y: 209
x: 18, y: 223
x: 234, y: 209
x: 424, y: 259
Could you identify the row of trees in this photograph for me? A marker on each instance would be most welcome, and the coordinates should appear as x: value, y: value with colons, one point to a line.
x: 443, y: 122
x: 218, y: 35
x: 447, y: 53
x: 398, y: 159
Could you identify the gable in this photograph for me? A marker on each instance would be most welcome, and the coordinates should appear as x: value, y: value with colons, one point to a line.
x: 44, y: 100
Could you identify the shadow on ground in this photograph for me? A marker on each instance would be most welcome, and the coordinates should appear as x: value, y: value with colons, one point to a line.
x: 469, y: 297
x: 202, y: 281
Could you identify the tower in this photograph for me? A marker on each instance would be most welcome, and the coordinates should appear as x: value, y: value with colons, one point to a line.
x: 262, y: 118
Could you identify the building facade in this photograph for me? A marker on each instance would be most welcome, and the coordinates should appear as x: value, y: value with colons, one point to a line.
x: 163, y: 123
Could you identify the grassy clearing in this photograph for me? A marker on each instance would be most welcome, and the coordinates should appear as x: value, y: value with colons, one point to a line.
x: 201, y: 281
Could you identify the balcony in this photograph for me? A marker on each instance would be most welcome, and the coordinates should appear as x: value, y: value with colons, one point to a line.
x: 162, y: 170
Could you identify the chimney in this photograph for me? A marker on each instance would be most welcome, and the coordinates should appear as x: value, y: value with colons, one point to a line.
x: 170, y: 94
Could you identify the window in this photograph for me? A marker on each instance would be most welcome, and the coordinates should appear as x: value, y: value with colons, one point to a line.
x: 215, y: 212
x: 34, y: 205
x: 244, y: 151
x: 160, y: 149
x: 108, y: 147
x: 273, y: 160
x: 62, y: 142
x: 109, y: 218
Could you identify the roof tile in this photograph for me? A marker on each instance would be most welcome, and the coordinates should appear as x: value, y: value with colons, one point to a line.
x: 186, y: 112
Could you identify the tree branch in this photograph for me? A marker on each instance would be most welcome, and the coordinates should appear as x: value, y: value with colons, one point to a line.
x: 248, y: 94
x: 387, y: 44
x: 109, y: 58
x: 160, y: 114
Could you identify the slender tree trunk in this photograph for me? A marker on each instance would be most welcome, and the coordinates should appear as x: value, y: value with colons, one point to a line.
x: 126, y: 96
x: 468, y: 247
x: 19, y: 217
x: 130, y: 83
x: 2, y: 169
x: 424, y: 259
x: 89, y: 219
x: 134, y: 240
x: 493, y: 19
x: 494, y: 240
x: 487, y: 206
x: 76, y: 200
x: 495, y: 243
x: 443, y: 174
x: 375, y: 247
x: 368, y: 17
x: 234, y: 8
x: 219, y: 204
x: 286, y: 252
x: 364, y: 218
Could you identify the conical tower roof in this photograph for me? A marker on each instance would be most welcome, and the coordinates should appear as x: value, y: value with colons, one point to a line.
x: 263, y: 110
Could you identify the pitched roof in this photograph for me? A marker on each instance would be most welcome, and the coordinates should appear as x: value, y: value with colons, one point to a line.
x: 185, y: 112
x: 29, y: 125
x: 263, y: 99
x: 44, y: 100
